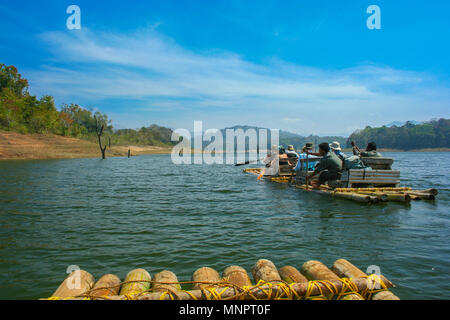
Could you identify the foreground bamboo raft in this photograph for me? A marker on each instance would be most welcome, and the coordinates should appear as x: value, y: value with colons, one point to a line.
x: 366, y: 195
x: 343, y: 281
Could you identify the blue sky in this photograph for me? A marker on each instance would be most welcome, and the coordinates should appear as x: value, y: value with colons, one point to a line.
x: 302, y: 66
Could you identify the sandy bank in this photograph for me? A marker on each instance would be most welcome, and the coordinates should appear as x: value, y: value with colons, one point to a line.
x: 16, y: 146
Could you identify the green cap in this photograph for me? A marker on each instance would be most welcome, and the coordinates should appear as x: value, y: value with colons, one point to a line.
x: 309, y: 145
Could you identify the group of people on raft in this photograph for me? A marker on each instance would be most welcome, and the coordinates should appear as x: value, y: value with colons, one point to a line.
x: 332, y: 160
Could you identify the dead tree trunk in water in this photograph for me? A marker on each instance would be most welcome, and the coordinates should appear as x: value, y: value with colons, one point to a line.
x: 99, y: 135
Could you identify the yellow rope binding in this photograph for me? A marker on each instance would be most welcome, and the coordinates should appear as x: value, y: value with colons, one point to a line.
x: 374, y: 283
x: 273, y: 290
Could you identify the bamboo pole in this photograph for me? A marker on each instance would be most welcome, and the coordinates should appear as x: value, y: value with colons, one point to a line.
x: 262, y: 292
x: 204, y: 274
x: 136, y: 287
x: 382, y: 197
x: 422, y: 196
x: 399, y: 197
x: 353, y: 196
x: 107, y: 286
x: 265, y: 270
x: 344, y: 268
x: 342, y: 195
x: 414, y: 194
x: 169, y: 282
x: 77, y: 283
x: 237, y: 276
x: 316, y: 270
x: 434, y: 192
x: 266, y: 291
x: 382, y: 189
x: 291, y: 275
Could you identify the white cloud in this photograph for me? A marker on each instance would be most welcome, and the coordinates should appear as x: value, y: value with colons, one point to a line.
x: 153, y: 70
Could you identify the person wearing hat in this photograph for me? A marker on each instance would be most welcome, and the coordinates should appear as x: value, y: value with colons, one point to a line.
x: 329, y: 168
x: 291, y: 152
x: 371, y: 150
x: 272, y: 162
x: 336, y: 148
x: 308, y: 147
x: 286, y: 157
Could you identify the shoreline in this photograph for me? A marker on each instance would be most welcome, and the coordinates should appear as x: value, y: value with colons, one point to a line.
x: 16, y: 146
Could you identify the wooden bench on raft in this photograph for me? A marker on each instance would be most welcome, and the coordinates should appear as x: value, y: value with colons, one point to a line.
x: 378, y: 163
x: 376, y: 178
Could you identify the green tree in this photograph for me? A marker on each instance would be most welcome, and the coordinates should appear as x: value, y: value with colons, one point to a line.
x: 432, y: 134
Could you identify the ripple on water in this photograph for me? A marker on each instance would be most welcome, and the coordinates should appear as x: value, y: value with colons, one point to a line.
x: 120, y: 214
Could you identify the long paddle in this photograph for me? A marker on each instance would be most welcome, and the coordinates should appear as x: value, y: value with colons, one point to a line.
x: 293, y: 171
x: 246, y: 162
x: 307, y: 168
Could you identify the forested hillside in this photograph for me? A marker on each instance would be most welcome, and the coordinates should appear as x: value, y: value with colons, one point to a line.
x: 21, y: 112
x: 432, y: 134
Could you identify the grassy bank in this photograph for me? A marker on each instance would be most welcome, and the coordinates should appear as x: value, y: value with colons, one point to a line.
x: 16, y: 146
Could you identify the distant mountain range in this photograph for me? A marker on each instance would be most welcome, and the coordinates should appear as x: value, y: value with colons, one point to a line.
x: 288, y: 138
x: 402, y: 123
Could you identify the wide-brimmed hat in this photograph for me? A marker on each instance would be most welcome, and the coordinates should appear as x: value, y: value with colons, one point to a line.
x: 290, y: 147
x: 335, y: 146
x: 308, y: 146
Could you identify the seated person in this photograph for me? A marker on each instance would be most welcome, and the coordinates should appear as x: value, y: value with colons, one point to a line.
x: 371, y: 150
x: 329, y: 167
x: 336, y: 148
x: 271, y: 162
x: 308, y: 147
x: 284, y: 157
x: 291, y: 152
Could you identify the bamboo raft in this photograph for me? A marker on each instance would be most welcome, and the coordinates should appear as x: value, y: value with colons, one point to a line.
x: 314, y: 281
x: 364, y: 195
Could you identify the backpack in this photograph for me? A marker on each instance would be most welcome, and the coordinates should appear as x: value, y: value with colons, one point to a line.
x: 354, y: 162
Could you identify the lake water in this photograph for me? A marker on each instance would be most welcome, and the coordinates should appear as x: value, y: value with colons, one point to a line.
x: 116, y: 215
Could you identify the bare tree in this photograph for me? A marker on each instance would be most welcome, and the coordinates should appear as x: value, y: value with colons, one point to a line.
x: 99, y: 130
